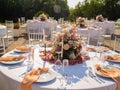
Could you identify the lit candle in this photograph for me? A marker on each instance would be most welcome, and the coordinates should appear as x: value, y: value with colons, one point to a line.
x: 44, y: 41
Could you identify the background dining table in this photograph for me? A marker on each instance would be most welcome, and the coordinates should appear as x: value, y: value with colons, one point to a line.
x: 76, y: 76
x: 93, y: 32
x: 40, y: 25
x: 107, y: 26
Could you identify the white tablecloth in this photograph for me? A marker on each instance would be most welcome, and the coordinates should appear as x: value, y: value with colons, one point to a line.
x: 40, y: 25
x: 10, y: 80
x: 93, y: 32
x: 2, y: 30
x: 108, y: 26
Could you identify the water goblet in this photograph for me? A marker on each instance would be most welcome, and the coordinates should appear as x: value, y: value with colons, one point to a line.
x: 30, y: 62
x: 99, y: 49
x: 30, y: 59
x: 65, y: 72
x: 58, y: 63
x: 59, y: 69
x: 65, y: 62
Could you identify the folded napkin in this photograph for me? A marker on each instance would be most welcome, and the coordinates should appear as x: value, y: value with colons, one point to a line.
x: 11, y: 58
x: 94, y: 49
x: 113, y: 73
x: 90, y: 49
x: 105, y: 49
x: 112, y: 57
x: 31, y: 77
x: 22, y: 48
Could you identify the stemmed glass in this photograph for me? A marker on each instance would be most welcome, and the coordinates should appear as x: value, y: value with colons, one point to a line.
x: 30, y: 59
x: 99, y: 44
x: 58, y: 61
x: 65, y: 63
x: 59, y: 68
x: 98, y: 48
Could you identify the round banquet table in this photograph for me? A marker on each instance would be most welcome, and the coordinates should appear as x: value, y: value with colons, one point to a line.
x: 40, y: 25
x: 10, y: 76
x: 107, y: 26
x: 2, y: 30
x: 93, y: 32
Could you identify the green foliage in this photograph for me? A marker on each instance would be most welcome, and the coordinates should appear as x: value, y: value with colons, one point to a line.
x: 92, y: 8
x: 13, y: 9
x: 40, y: 12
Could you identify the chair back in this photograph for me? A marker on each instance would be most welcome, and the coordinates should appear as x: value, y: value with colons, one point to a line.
x: 116, y: 43
x: 22, y: 20
x: 9, y: 32
x: 47, y: 28
x: 10, y: 27
x: 2, y: 46
x: 34, y: 36
x: 85, y: 34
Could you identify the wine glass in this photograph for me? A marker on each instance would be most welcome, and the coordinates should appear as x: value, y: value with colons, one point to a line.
x: 99, y: 49
x: 30, y: 64
x: 65, y: 72
x: 65, y: 64
x: 58, y: 61
x: 30, y: 59
x: 59, y: 69
x: 94, y: 56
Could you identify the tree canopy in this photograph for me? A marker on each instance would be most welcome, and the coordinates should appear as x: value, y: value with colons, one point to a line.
x: 91, y: 8
x: 13, y: 9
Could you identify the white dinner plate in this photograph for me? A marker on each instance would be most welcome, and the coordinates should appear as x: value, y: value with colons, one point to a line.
x: 12, y: 62
x: 19, y: 51
x: 98, y: 73
x: 46, y: 76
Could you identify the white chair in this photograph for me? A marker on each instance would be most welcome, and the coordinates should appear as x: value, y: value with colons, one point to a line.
x: 22, y: 20
x: 34, y: 36
x: 117, y: 43
x: 22, y: 26
x: 47, y: 28
x: 2, y: 46
x: 9, y: 32
x: 85, y: 35
x: 106, y: 33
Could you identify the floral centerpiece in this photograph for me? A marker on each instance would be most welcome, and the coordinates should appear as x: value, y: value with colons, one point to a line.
x: 99, y: 18
x: 43, y: 17
x: 69, y: 43
x: 80, y: 22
